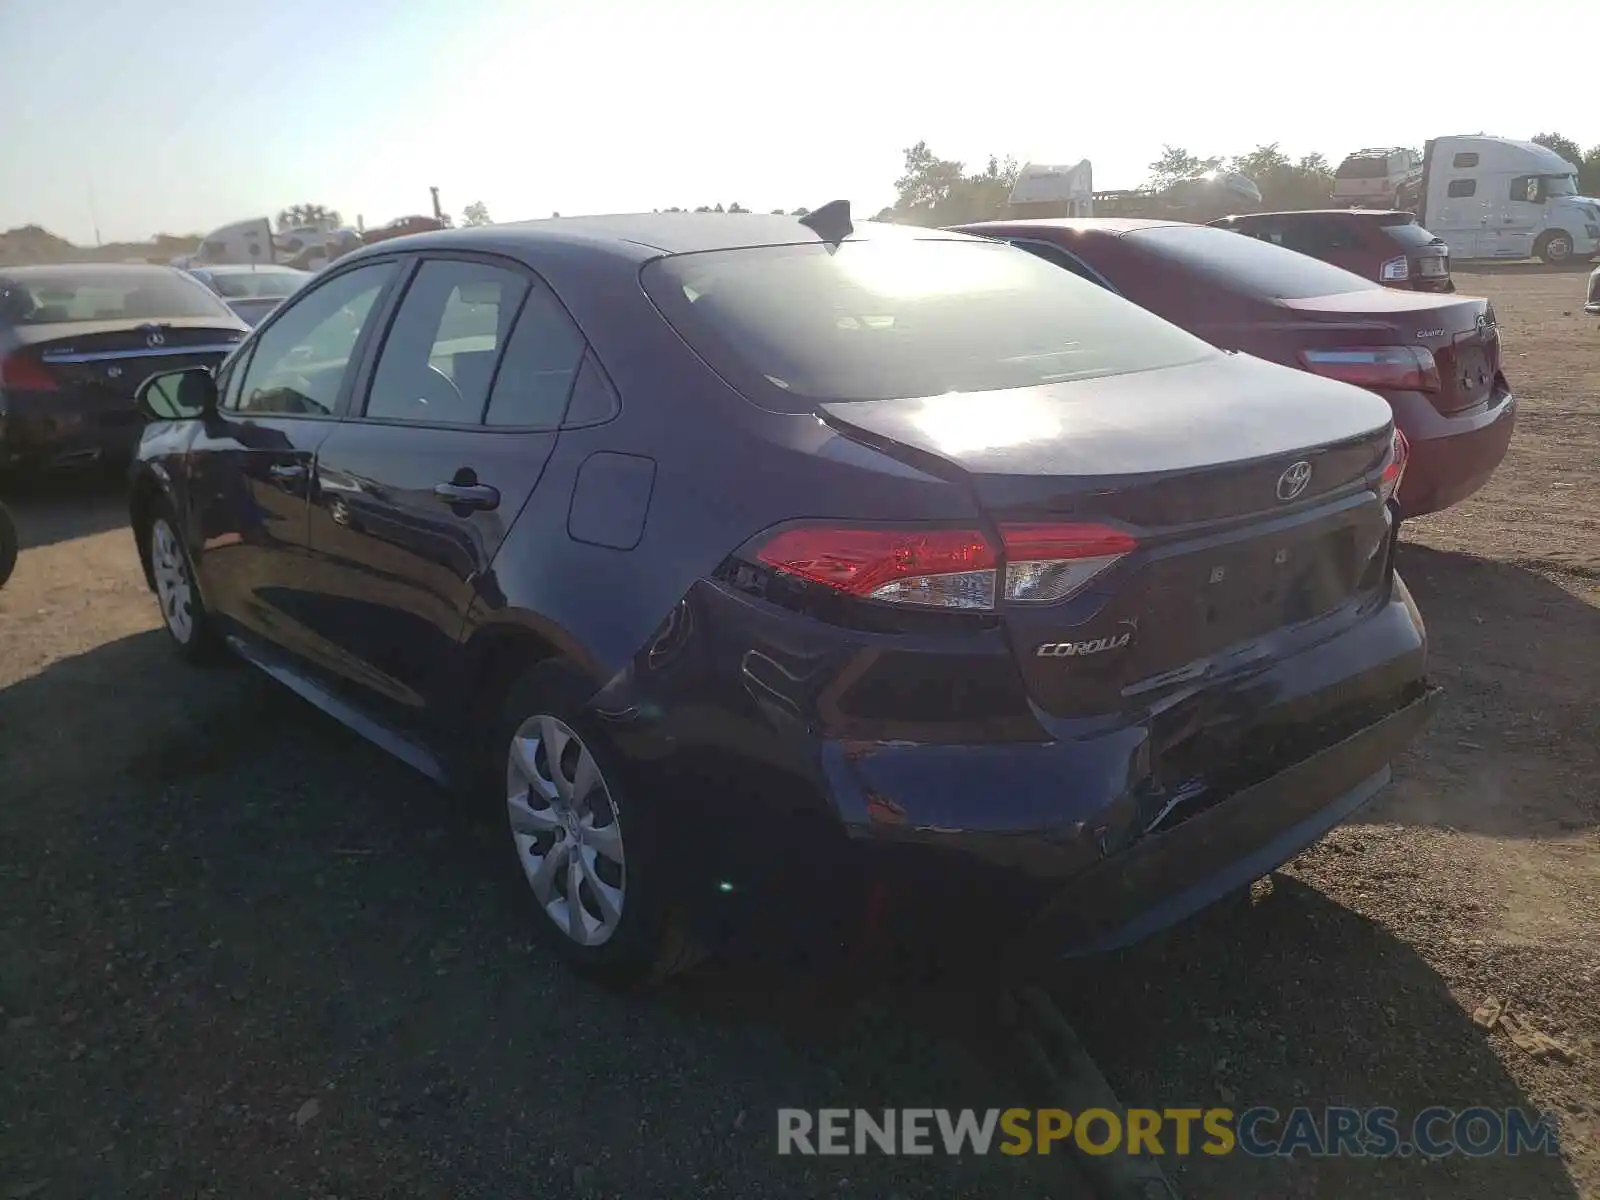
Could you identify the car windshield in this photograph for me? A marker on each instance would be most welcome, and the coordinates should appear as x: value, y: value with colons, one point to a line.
x: 1246, y: 264
x: 76, y: 296
x: 254, y: 285
x: 880, y: 319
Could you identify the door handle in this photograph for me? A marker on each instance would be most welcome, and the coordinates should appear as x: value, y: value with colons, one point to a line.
x: 287, y: 474
x: 467, y: 495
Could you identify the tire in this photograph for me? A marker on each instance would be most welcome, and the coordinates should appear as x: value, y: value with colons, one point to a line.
x: 1556, y: 247
x: 183, y: 612
x: 580, y: 825
x: 9, y: 544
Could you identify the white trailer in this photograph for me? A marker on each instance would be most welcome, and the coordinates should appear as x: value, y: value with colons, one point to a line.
x: 253, y: 242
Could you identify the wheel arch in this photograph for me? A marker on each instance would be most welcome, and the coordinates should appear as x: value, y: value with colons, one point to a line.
x: 495, y: 655
x: 150, y: 488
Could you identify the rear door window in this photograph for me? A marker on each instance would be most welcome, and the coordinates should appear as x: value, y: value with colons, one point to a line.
x: 1060, y: 258
x: 1244, y: 264
x: 902, y: 316
x: 439, y: 357
x: 540, y: 364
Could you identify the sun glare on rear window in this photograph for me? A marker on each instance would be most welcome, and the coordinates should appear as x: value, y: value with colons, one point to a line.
x: 896, y: 317
x: 78, y: 296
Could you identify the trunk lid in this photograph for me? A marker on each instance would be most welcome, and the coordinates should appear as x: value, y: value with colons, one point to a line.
x: 1459, y: 331
x: 115, y: 357
x: 82, y: 376
x: 1192, y: 462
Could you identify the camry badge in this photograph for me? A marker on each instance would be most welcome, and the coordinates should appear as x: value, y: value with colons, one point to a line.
x: 1294, y: 481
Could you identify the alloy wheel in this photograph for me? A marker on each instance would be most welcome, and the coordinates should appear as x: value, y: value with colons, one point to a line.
x: 174, y: 587
x: 567, y: 830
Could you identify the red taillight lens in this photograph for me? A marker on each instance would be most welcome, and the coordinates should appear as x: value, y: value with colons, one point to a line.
x: 946, y: 568
x: 1407, y: 367
x: 1395, y: 469
x: 939, y: 568
x: 25, y: 374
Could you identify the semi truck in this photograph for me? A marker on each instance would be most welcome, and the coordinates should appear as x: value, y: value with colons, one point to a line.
x: 1494, y: 197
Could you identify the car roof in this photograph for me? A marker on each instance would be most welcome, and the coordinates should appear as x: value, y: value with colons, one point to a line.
x: 641, y: 235
x: 1360, y: 213
x: 1117, y: 225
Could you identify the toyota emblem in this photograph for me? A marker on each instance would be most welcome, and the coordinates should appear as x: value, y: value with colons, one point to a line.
x: 1294, y: 481
x: 156, y: 338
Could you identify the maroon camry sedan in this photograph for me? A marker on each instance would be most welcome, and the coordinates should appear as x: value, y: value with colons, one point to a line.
x: 1435, y: 358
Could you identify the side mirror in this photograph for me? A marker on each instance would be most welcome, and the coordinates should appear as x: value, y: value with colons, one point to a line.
x: 178, y: 395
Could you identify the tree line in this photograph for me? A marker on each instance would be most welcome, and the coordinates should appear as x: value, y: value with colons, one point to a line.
x: 942, y: 191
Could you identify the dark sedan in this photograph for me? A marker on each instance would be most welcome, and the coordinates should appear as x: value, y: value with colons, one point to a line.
x: 1388, y: 247
x: 889, y: 578
x: 1436, y: 359
x: 75, y: 343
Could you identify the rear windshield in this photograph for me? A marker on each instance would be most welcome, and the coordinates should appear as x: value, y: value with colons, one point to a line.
x: 71, y: 297
x: 1245, y: 264
x: 252, y: 285
x: 1363, y: 168
x: 1410, y: 235
x: 876, y: 320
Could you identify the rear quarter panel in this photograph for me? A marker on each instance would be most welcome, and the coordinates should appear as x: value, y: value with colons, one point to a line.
x: 724, y: 470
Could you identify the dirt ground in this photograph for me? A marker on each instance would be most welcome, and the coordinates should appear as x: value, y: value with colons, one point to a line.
x: 243, y: 954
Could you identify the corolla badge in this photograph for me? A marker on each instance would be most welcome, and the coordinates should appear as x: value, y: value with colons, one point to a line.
x: 1079, y: 649
x: 1294, y: 480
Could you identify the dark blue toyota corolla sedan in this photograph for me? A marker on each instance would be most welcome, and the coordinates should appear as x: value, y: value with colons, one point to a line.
x: 889, y: 577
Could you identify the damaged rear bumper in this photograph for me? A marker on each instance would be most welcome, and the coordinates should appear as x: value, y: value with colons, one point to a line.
x: 1174, y: 872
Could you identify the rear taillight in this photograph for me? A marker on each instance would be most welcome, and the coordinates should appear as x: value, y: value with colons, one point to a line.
x: 934, y: 568
x: 1395, y: 270
x: 1394, y: 468
x: 24, y: 374
x: 1410, y: 368
x: 946, y: 568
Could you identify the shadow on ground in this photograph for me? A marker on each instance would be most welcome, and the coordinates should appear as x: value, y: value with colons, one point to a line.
x: 58, y: 508
x: 1514, y: 748
x: 244, y: 954
x: 1294, y: 1000
x: 219, y: 910
x: 1524, y: 266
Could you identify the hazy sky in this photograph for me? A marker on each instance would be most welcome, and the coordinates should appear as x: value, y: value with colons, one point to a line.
x: 182, y: 115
